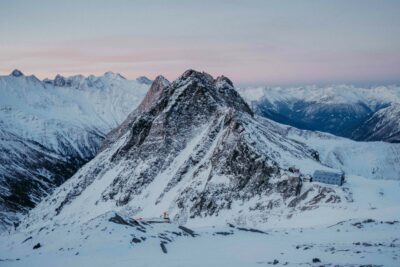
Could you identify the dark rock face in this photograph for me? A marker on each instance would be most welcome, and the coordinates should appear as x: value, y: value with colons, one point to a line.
x: 59, y: 80
x: 164, y: 126
x: 149, y: 100
x: 119, y: 220
x: 154, y: 93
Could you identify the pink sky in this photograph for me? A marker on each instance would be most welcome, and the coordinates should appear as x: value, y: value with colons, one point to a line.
x: 258, y: 43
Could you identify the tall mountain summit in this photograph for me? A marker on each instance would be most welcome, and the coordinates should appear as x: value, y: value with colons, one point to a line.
x: 193, y: 148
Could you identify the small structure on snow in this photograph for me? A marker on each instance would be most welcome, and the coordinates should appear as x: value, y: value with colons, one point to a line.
x: 166, y: 217
x: 328, y: 177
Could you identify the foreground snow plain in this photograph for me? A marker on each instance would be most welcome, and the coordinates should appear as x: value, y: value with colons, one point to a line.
x: 363, y: 231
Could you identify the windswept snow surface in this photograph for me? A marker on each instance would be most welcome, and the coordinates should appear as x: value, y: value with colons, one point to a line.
x: 364, y: 231
x: 114, y: 240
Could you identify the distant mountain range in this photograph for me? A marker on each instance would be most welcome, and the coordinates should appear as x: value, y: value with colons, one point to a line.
x: 364, y: 114
x: 50, y: 128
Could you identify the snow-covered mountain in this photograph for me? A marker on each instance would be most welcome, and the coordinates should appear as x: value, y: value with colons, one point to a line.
x: 194, y: 149
x: 382, y: 125
x: 144, y: 80
x: 365, y: 114
x: 372, y: 160
x: 50, y: 128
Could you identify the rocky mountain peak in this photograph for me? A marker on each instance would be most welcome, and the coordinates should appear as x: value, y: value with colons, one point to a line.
x: 59, y: 80
x: 191, y: 74
x: 16, y: 73
x: 112, y: 75
x: 209, y: 91
x: 154, y: 93
x: 222, y: 79
x: 189, y: 101
x: 144, y: 80
x: 204, y: 77
x: 160, y: 81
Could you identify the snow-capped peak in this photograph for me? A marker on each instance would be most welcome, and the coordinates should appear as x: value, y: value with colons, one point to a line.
x: 144, y: 80
x: 154, y: 92
x: 109, y: 79
x: 161, y: 80
x: 16, y: 73
x: 112, y: 75
x: 59, y: 80
x: 222, y: 79
x: 191, y: 74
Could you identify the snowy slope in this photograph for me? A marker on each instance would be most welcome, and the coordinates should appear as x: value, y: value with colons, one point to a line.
x: 50, y: 128
x: 373, y: 160
x: 342, y: 110
x: 382, y: 125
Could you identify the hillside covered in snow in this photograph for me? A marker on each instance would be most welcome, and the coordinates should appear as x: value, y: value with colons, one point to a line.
x: 50, y: 128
